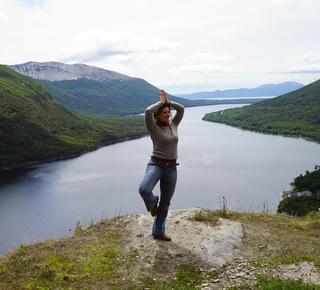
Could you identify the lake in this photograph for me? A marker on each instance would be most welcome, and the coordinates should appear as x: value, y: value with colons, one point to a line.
x: 249, y: 169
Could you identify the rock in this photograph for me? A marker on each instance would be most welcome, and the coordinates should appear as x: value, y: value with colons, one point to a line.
x: 224, y: 238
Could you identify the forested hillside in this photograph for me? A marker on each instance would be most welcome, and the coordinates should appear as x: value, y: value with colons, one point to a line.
x: 294, y: 114
x: 303, y: 205
x: 34, y: 127
x: 98, y: 92
x: 117, y: 97
x: 93, y: 98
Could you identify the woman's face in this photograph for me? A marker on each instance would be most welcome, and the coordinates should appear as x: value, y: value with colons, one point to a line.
x: 165, y: 115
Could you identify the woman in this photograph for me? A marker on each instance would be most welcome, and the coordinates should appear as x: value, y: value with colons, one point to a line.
x: 162, y: 165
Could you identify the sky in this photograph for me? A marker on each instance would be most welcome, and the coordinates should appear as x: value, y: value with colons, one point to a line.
x: 182, y: 46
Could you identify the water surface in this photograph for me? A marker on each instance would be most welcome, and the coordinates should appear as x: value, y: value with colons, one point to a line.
x: 43, y: 201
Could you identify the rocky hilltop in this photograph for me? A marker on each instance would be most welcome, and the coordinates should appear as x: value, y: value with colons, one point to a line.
x: 56, y: 71
x: 207, y: 251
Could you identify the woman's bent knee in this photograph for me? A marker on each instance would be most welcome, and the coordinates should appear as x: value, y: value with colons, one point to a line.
x: 143, y: 191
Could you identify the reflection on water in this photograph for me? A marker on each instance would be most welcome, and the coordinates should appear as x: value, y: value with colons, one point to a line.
x: 42, y: 201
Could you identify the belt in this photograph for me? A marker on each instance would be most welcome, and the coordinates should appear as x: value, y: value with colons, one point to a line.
x: 168, y: 163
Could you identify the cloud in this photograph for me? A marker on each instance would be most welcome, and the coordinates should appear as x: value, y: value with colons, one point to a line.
x: 125, y: 42
x: 309, y: 56
x: 203, y: 63
x: 234, y: 43
x: 288, y: 2
x: 208, y: 57
x: 150, y: 58
x: 32, y: 2
x: 281, y: 2
x: 202, y: 68
x: 306, y: 2
x: 307, y: 69
x: 3, y: 16
x: 98, y: 45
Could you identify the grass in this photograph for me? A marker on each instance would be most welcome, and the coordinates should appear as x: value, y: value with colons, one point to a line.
x: 96, y: 257
x: 275, y: 283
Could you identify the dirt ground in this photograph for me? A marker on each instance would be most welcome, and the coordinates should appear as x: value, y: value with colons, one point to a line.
x: 226, y: 248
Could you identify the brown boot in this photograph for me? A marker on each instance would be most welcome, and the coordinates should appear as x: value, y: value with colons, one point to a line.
x: 162, y: 237
x: 154, y: 211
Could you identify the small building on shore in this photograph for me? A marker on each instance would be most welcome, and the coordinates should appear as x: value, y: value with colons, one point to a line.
x: 298, y: 194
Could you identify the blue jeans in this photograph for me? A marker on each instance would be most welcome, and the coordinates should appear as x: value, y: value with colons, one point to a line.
x: 168, y: 179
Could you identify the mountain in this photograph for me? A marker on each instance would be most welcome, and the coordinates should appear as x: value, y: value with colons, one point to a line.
x: 34, y: 127
x: 97, y: 92
x: 56, y: 71
x: 261, y: 91
x: 293, y: 114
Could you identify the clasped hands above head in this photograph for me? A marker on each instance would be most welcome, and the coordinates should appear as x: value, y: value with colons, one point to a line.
x: 163, y: 97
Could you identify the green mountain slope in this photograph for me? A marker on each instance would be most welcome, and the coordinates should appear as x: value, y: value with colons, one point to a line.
x: 98, y: 92
x: 294, y: 114
x: 34, y: 127
x: 94, y: 98
x: 117, y: 97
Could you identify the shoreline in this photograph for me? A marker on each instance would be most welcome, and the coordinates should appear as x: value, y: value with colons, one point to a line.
x: 17, y: 167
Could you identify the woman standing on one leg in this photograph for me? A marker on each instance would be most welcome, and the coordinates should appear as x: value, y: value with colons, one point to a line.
x: 162, y: 166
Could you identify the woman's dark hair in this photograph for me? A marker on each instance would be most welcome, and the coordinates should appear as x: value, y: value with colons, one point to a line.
x: 157, y: 113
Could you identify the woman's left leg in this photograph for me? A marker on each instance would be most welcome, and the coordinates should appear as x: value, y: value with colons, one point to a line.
x: 167, y: 188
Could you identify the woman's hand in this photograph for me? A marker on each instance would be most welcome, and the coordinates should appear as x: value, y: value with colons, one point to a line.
x: 163, y: 97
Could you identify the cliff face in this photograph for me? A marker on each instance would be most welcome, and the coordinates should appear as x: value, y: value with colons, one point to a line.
x: 55, y: 71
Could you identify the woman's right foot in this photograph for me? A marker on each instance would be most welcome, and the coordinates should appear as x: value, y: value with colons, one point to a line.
x: 162, y: 237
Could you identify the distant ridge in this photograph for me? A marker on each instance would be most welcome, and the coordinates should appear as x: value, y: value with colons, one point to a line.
x: 97, y: 92
x: 268, y: 90
x: 56, y: 71
x: 293, y: 114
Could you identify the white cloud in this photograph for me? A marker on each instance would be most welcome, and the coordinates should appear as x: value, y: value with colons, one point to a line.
x: 282, y: 2
x: 288, y: 2
x: 154, y: 58
x: 180, y: 43
x: 3, y: 16
x: 309, y: 56
x: 201, y: 68
x: 202, y: 63
x: 126, y: 42
x: 32, y: 2
x: 209, y: 57
x: 308, y: 69
x: 99, y: 45
x: 306, y: 2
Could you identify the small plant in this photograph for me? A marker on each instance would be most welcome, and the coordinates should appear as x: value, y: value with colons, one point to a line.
x: 224, y: 208
x: 47, y: 273
x: 209, y: 216
x: 92, y: 222
x: 265, y: 205
x: 200, y: 217
x: 78, y: 226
